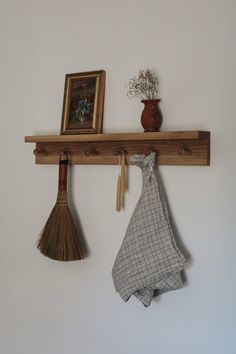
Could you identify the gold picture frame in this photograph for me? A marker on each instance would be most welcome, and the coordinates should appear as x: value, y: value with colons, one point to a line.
x: 83, y: 103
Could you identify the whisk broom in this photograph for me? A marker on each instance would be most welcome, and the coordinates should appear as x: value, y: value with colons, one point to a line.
x: 59, y: 239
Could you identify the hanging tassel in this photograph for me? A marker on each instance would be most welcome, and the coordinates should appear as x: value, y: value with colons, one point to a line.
x: 121, y: 183
x: 122, y: 172
x: 118, y: 194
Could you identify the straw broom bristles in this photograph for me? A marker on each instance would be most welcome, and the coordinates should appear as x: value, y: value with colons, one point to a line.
x: 59, y: 239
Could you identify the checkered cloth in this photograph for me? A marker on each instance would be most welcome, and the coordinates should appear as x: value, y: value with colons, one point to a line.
x: 149, y: 261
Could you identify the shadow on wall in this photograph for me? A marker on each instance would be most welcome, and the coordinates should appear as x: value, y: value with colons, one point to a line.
x: 178, y: 239
x: 75, y: 214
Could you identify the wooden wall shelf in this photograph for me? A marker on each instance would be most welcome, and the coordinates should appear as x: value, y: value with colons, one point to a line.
x: 173, y: 148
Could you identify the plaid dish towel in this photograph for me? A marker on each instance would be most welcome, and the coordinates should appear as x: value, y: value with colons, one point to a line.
x: 149, y: 261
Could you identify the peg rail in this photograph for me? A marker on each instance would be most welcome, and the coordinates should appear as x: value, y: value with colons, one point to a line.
x: 173, y: 148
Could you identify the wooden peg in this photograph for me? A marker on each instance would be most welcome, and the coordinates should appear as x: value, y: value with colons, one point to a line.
x: 91, y: 152
x: 184, y: 151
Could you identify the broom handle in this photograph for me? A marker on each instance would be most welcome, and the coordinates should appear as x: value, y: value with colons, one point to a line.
x: 62, y: 182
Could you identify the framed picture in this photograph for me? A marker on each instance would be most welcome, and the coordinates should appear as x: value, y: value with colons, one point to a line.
x: 83, y: 103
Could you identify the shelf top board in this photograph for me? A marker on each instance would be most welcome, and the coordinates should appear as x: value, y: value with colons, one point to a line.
x: 164, y: 135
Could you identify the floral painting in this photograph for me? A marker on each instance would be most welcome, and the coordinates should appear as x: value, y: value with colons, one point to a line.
x: 83, y: 103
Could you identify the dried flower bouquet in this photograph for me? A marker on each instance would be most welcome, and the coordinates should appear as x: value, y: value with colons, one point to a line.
x: 144, y: 86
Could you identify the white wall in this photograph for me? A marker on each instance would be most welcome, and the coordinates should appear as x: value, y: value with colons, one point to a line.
x: 55, y: 308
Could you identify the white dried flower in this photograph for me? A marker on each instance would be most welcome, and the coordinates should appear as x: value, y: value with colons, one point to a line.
x: 144, y: 86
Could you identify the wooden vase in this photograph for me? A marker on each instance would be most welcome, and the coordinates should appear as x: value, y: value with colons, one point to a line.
x: 151, y: 117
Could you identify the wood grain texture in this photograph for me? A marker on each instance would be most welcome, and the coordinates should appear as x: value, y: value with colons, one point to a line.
x: 170, y: 152
x: 172, y: 148
x: 168, y: 135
